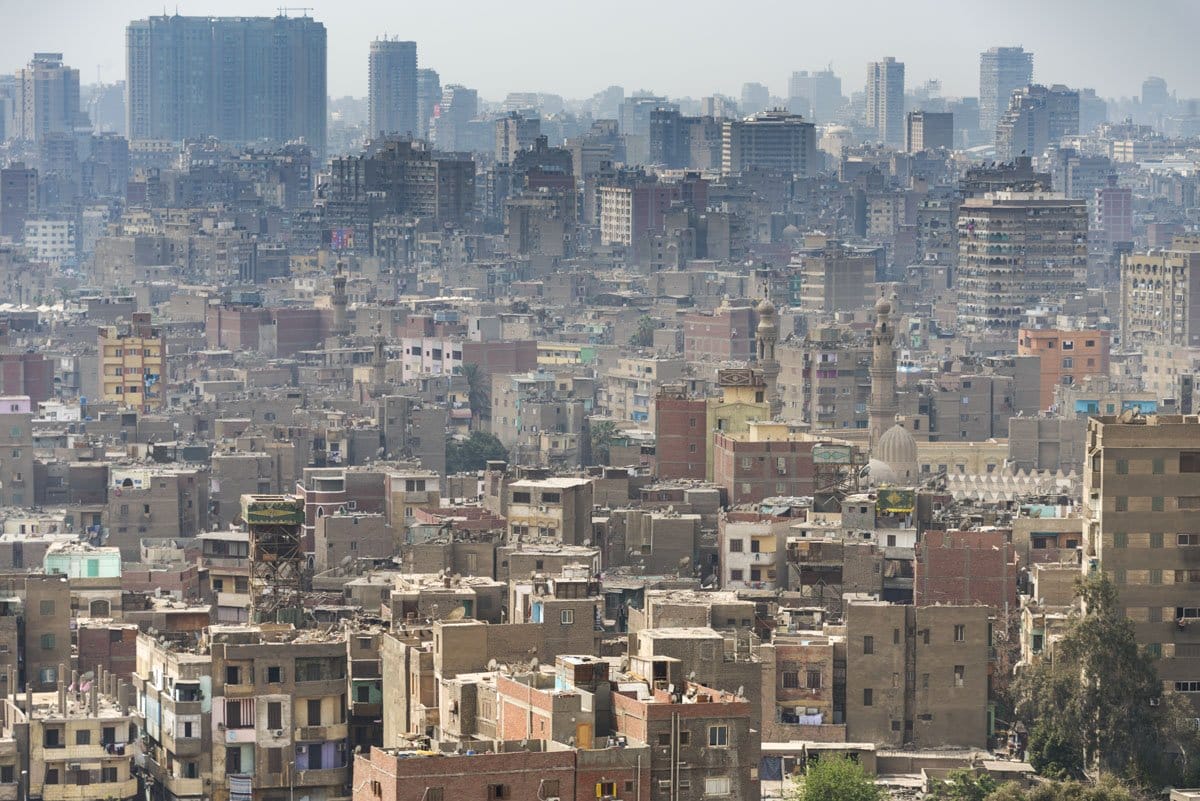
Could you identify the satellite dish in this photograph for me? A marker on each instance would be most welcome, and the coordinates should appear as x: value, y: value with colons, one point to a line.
x: 458, y: 613
x: 492, y: 664
x: 670, y: 689
x: 741, y: 691
x: 533, y: 663
x: 692, y: 676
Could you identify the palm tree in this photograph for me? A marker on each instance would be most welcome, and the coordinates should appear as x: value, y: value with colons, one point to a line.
x: 601, y: 437
x: 643, y: 337
x: 479, y: 394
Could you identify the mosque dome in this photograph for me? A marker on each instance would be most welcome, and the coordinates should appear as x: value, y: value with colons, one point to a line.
x: 766, y: 314
x: 880, y: 472
x: 883, y: 306
x: 898, y: 450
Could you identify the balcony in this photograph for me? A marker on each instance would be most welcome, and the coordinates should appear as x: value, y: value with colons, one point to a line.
x: 327, y: 777
x: 87, y: 792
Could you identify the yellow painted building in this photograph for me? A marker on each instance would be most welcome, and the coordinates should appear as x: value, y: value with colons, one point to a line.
x: 132, y: 362
x: 743, y: 399
x: 963, y: 458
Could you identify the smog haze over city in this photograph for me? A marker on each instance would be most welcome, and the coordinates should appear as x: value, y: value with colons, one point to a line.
x: 629, y: 401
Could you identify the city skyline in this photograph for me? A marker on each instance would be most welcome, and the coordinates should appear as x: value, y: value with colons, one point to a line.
x: 795, y: 39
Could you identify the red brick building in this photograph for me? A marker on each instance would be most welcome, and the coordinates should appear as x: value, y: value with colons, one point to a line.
x: 728, y: 334
x: 681, y: 434
x: 29, y: 374
x: 396, y: 775
x: 966, y: 567
x: 755, y: 465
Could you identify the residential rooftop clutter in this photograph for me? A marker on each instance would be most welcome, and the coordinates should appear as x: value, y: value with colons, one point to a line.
x: 416, y: 440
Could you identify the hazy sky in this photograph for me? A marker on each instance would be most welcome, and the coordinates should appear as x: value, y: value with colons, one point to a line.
x: 676, y: 47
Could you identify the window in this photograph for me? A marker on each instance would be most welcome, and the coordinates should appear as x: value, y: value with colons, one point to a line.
x: 791, y: 680
x: 606, y: 789
x: 52, y: 776
x: 83, y: 737
x: 274, y: 675
x: 362, y: 694
x: 1158, y: 466
x: 1122, y: 467
x: 1156, y: 539
x: 1189, y: 501
x: 567, y: 617
x: 813, y: 681
x: 868, y: 644
x: 1188, y: 540
x: 924, y: 681
x: 1156, y: 504
x: 52, y: 738
x: 959, y: 675
x: 274, y: 715
x: 233, y: 760
x: 274, y: 760
x: 1154, y: 650
x: 1187, y: 686
x: 868, y: 696
x: 737, y: 575
x: 717, y: 785
x: 233, y: 714
x: 664, y: 738
x: 46, y: 608
x: 314, y: 712
x: 895, y: 636
x: 233, y: 674
x: 960, y: 632
x: 1068, y: 363
x: 718, y: 736
x: 1122, y: 503
x: 47, y: 642
x: 108, y: 775
x: 1120, y: 539
x: 1189, y: 461
x: 434, y: 793
x: 735, y: 546
x: 685, y: 738
x: 496, y: 792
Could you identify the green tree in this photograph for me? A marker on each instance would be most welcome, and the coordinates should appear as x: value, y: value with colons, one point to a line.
x: 601, y: 436
x: 479, y: 394
x: 1093, y: 703
x: 643, y: 335
x: 1104, y: 790
x: 964, y: 785
x: 473, y: 453
x: 836, y: 778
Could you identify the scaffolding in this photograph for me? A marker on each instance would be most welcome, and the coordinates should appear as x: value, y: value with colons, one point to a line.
x: 278, y: 567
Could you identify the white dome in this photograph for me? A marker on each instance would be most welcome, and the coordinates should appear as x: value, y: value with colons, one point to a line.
x: 896, y: 446
x: 879, y: 472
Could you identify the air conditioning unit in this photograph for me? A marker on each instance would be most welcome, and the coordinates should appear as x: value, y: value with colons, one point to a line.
x: 277, y: 732
x: 73, y: 766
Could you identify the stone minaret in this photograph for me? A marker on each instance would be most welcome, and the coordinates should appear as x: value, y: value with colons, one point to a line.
x: 341, y: 326
x: 765, y: 338
x: 883, y: 407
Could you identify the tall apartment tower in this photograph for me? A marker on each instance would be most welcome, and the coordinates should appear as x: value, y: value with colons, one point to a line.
x: 1017, y: 250
x: 1002, y: 70
x: 1141, y: 489
x: 47, y: 98
x: 885, y: 100
x: 392, y: 87
x: 1036, y: 117
x: 770, y: 140
x: 429, y: 94
x: 817, y: 95
x: 240, y: 79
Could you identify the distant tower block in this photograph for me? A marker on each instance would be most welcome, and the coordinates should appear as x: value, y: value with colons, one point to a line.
x: 277, y: 561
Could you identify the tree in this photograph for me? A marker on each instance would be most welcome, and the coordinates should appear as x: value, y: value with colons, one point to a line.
x: 1093, y: 703
x: 601, y: 436
x: 836, y: 778
x: 643, y: 336
x: 964, y: 785
x: 1105, y: 790
x: 473, y: 453
x: 479, y: 394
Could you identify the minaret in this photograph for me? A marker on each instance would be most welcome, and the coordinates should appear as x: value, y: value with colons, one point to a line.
x: 765, y: 338
x: 341, y: 327
x: 379, y: 361
x: 883, y: 407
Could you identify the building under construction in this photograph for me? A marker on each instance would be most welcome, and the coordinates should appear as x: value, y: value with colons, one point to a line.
x: 278, y: 569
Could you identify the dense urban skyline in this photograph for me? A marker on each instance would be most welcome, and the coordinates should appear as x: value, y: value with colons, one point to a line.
x: 1073, y: 41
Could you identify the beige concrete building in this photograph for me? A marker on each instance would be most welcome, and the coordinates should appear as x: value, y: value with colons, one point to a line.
x: 1160, y: 295
x: 551, y: 508
x: 171, y: 684
x: 133, y: 365
x: 1140, y: 496
x: 917, y: 675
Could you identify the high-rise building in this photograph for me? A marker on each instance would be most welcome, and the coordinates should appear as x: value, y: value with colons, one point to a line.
x: 755, y: 98
x: 1160, y: 295
x: 240, y: 79
x: 770, y: 140
x: 18, y: 198
x: 1036, y: 117
x: 47, y: 98
x: 817, y: 95
x: 1112, y: 214
x: 1002, y: 70
x: 1016, y: 251
x: 928, y: 130
x: 392, y: 92
x: 885, y: 100
x: 1140, y: 494
x: 459, y: 105
x: 515, y: 133
x: 429, y: 94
